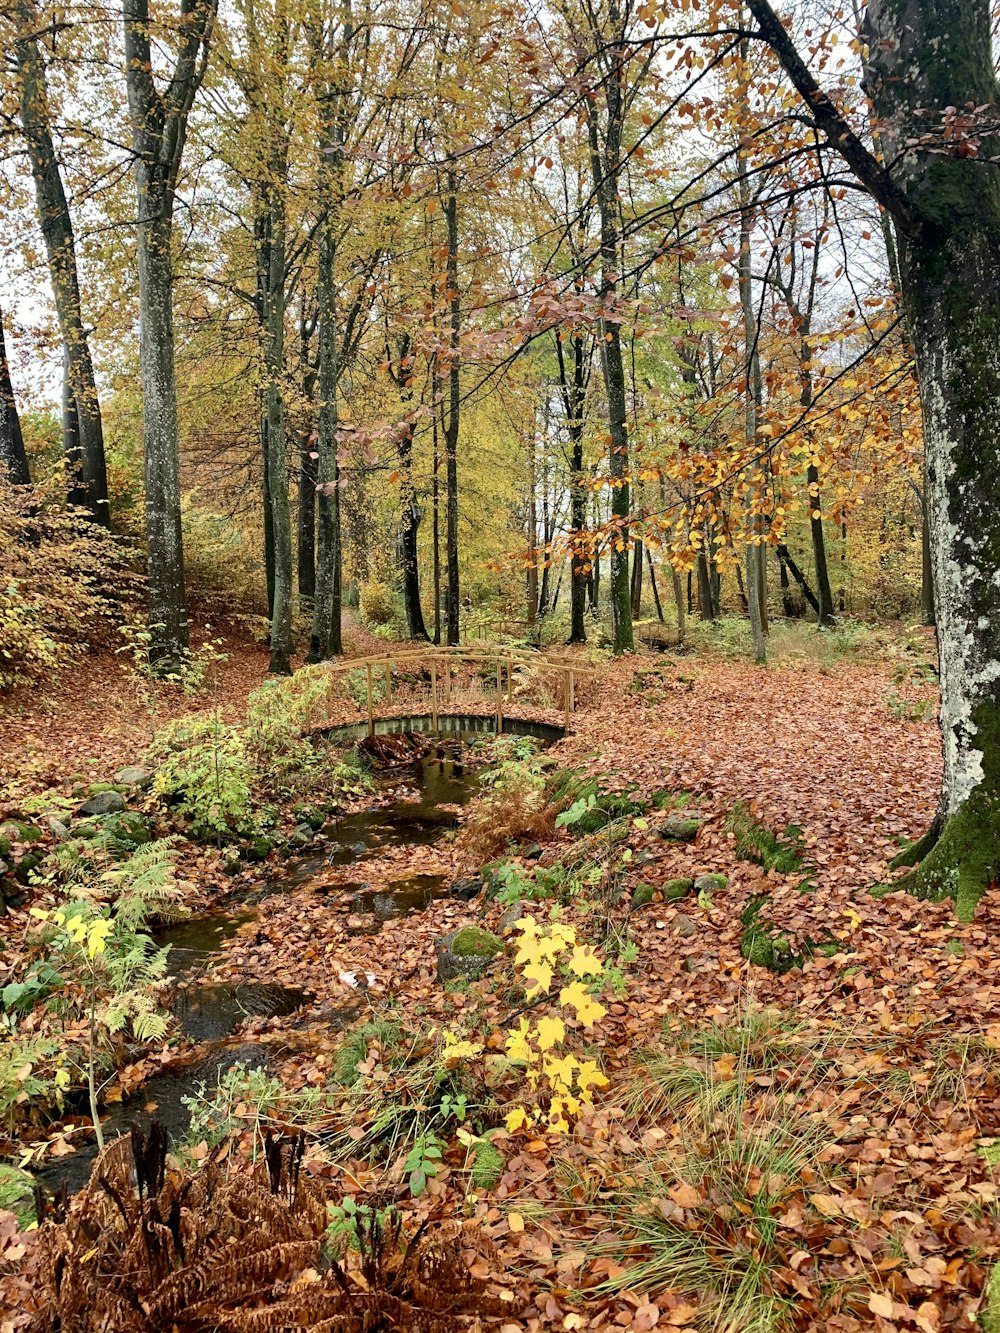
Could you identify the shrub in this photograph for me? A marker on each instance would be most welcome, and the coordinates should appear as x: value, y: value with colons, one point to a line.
x: 204, y: 774
x: 65, y: 584
x: 378, y: 603
x: 280, y: 715
x: 512, y: 807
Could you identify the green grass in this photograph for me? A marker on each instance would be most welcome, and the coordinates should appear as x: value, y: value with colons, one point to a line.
x: 702, y: 1216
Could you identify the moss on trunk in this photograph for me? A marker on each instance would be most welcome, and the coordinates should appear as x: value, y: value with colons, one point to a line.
x: 964, y: 859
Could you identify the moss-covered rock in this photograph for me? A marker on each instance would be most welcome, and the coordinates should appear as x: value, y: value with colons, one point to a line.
x: 16, y: 1195
x: 258, y: 849
x: 677, y: 888
x: 476, y: 942
x: 783, y: 853
x: 643, y: 896
x: 466, y: 953
x: 710, y: 883
x: 27, y: 865
x: 680, y: 828
x: 761, y: 945
x: 487, y: 1165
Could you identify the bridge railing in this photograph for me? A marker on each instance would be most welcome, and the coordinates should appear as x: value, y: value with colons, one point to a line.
x: 447, y: 670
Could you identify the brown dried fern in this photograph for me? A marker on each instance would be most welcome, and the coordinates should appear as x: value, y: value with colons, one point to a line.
x: 146, y: 1248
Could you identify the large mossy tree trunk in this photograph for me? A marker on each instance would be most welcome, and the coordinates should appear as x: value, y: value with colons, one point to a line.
x: 927, y: 57
x: 924, y: 59
x: 84, y: 450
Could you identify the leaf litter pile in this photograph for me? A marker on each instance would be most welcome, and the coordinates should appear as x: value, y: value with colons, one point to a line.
x: 806, y: 1144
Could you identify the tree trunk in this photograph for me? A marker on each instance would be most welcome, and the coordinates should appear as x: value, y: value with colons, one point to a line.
x: 636, y: 590
x: 164, y: 555
x: 13, y: 459
x: 679, y: 601
x: 451, y: 430
x: 88, y: 477
x: 306, y: 543
x: 325, y: 638
x: 436, y: 508
x: 532, y: 575
x: 408, y: 540
x: 277, y: 461
x: 706, y: 607
x: 159, y: 126
x: 652, y: 584
x: 606, y: 170
x: 925, y: 59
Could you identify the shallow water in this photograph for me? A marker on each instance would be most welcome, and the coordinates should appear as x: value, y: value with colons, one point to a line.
x: 212, y: 1012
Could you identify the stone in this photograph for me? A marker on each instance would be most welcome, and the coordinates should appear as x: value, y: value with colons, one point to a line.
x: 685, y: 926
x: 466, y: 889
x: 532, y: 852
x: 708, y: 883
x: 134, y: 776
x: 643, y: 895
x: 302, y: 836
x: 511, y: 915
x: 25, y: 867
x: 677, y: 888
x: 680, y: 828
x: 466, y: 953
x: 57, y: 828
x: 645, y: 858
x: 690, y: 964
x: 104, y: 803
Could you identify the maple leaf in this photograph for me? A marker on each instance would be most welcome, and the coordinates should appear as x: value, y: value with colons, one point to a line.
x: 550, y: 1031
x: 588, y: 1010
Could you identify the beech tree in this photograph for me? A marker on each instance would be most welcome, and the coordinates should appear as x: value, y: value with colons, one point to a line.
x: 159, y: 121
x: 83, y: 443
x: 930, y: 75
x: 13, y: 459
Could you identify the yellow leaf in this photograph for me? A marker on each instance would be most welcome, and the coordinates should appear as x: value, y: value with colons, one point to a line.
x: 550, y: 1031
x: 515, y: 1222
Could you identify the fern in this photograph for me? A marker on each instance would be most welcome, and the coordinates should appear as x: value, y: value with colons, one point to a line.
x: 145, y: 886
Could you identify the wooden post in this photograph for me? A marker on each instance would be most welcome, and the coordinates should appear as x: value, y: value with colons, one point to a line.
x: 510, y: 678
x: 447, y: 681
x: 499, y: 696
x: 565, y: 682
x: 371, y: 717
x: 572, y: 702
x: 434, y: 694
x: 388, y: 683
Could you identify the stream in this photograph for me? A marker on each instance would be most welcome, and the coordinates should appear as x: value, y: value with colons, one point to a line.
x: 211, y: 1013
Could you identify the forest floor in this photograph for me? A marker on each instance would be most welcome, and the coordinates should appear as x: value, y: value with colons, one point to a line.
x: 814, y: 1144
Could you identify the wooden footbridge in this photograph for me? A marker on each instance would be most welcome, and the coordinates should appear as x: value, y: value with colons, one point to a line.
x: 494, y: 687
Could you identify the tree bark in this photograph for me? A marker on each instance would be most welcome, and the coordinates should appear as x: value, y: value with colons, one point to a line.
x: 13, y: 459
x: 573, y: 384
x: 408, y: 540
x: 86, y: 466
x: 452, y: 602
x: 325, y: 639
x: 924, y: 59
x: 159, y: 128
x: 277, y: 461
x: 606, y: 169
